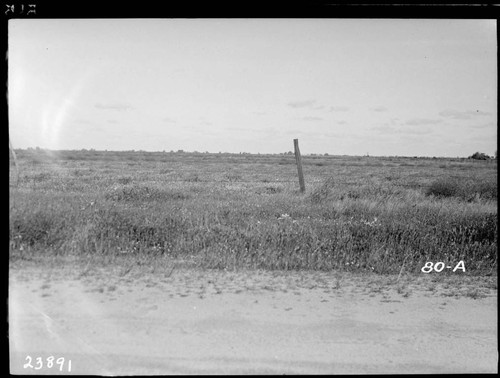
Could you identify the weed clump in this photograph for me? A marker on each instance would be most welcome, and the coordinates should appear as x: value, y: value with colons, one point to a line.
x: 143, y: 193
x: 39, y: 228
x: 467, y: 190
x: 322, y: 192
x: 443, y: 188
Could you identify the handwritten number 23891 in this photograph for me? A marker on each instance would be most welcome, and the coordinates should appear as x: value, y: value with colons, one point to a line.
x: 50, y: 363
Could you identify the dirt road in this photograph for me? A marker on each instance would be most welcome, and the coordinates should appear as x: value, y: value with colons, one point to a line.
x: 113, y: 322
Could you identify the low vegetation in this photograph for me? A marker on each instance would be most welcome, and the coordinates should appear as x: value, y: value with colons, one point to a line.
x: 479, y: 156
x: 245, y: 211
x: 465, y: 189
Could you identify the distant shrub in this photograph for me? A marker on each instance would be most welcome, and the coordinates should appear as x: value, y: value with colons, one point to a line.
x: 479, y: 156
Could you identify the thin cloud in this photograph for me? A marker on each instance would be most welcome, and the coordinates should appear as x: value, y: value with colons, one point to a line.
x: 83, y: 121
x: 302, y: 104
x: 339, y: 108
x: 309, y: 118
x: 380, y: 109
x: 386, y: 129
x: 483, y: 126
x: 295, y: 131
x: 422, y: 121
x: 341, y: 122
x: 454, y: 114
x: 169, y: 120
x: 467, y: 114
x: 113, y: 106
x: 480, y: 138
x: 334, y: 135
x: 418, y: 131
x: 236, y: 128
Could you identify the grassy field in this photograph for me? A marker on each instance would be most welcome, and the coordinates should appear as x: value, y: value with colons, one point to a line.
x: 242, y: 211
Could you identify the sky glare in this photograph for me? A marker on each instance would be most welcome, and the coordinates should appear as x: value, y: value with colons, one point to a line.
x: 409, y: 87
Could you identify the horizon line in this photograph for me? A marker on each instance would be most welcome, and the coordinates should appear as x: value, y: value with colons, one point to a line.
x: 324, y: 154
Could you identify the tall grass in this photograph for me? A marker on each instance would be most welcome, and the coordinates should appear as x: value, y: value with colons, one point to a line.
x: 467, y: 189
x: 357, y: 221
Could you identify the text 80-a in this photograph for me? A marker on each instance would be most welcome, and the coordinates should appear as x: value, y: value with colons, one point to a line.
x: 439, y: 266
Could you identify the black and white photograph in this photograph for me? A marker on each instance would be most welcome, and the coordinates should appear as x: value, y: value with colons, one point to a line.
x: 201, y: 196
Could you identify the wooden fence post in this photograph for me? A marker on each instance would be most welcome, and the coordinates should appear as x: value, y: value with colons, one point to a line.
x: 299, y: 165
x: 15, y: 161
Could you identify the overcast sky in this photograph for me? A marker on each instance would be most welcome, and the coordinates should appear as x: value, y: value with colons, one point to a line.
x: 341, y: 86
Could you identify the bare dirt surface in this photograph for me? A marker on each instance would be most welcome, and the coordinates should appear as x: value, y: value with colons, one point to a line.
x: 118, y: 321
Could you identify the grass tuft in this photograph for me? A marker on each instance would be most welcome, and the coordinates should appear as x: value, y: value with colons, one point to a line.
x: 467, y: 189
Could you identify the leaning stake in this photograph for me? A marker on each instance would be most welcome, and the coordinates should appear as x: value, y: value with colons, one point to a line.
x: 299, y: 165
